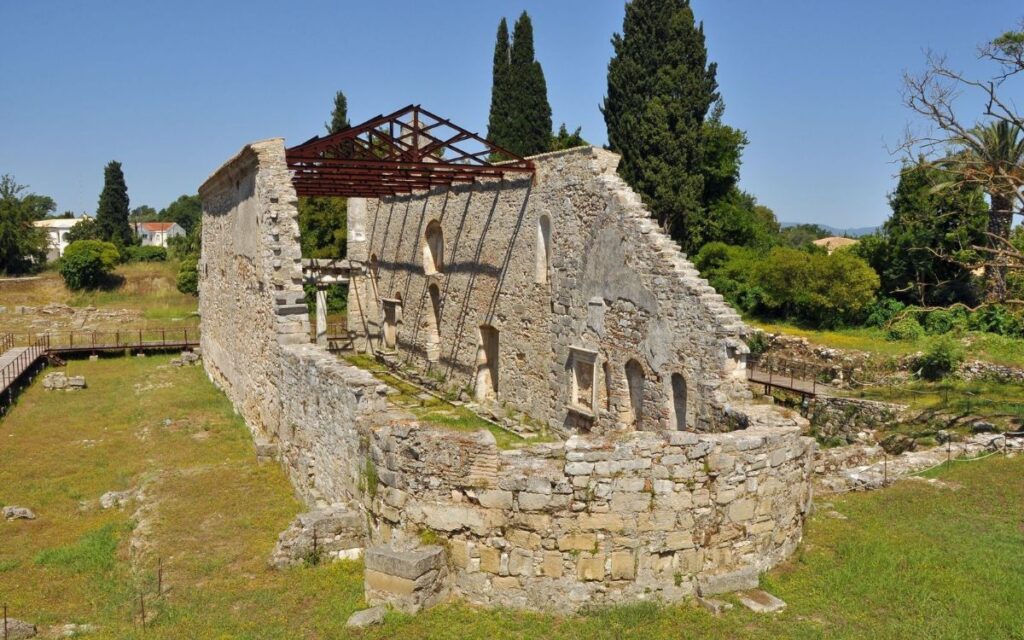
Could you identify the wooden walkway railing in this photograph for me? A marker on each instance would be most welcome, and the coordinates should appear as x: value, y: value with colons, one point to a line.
x: 21, y: 353
x: 787, y: 375
x: 65, y: 342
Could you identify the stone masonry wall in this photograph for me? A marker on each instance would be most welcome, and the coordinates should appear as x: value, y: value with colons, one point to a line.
x: 614, y: 285
x: 599, y: 518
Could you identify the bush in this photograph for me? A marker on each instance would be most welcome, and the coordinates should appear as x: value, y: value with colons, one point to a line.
x: 881, y: 312
x: 188, y: 275
x: 146, y: 254
x: 821, y: 290
x: 943, y: 321
x: 906, y: 328
x: 86, y: 263
x: 996, y: 318
x: 942, y: 359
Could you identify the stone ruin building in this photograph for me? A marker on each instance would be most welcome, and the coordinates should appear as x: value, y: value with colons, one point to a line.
x: 538, y: 286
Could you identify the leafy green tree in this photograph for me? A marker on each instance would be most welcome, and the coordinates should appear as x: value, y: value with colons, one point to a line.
x: 143, y: 213
x: 112, y: 213
x: 187, y: 211
x: 923, y: 252
x: 23, y: 247
x: 38, y: 207
x: 520, y: 116
x: 660, y: 87
x: 565, y: 140
x: 735, y: 218
x: 339, y: 115
x: 815, y: 288
x: 87, y: 263
x: 85, y: 230
x: 798, y: 236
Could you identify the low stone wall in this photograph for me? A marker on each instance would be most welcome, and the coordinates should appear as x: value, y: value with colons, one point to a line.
x: 596, y: 520
x: 833, y: 417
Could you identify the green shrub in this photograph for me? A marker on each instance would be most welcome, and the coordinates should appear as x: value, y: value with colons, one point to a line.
x: 86, y: 263
x: 188, y: 275
x: 882, y: 311
x: 907, y: 328
x: 757, y: 342
x: 943, y: 321
x: 146, y: 254
x: 998, y: 319
x: 942, y: 359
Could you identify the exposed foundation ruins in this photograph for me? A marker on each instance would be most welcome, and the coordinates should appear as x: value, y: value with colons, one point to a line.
x: 552, y: 294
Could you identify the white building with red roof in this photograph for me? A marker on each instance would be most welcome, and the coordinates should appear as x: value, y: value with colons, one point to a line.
x: 156, y: 234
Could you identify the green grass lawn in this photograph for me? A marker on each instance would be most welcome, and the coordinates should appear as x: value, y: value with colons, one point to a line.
x: 149, y: 287
x: 912, y: 561
x: 977, y: 345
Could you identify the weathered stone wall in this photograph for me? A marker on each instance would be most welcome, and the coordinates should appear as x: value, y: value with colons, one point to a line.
x: 845, y: 418
x: 255, y: 328
x: 613, y: 284
x: 600, y: 518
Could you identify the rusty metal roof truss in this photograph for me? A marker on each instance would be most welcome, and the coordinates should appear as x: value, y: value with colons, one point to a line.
x: 411, y: 149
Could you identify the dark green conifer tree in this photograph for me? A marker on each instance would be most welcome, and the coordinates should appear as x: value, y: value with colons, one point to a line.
x: 497, y: 121
x: 520, y: 117
x: 339, y: 115
x: 112, y: 212
x: 660, y: 87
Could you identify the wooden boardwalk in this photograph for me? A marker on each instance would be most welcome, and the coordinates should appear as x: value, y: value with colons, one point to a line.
x: 15, y: 363
x: 786, y: 376
x: 20, y: 354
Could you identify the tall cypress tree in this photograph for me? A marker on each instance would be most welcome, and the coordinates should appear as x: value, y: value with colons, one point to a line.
x: 520, y: 117
x: 339, y: 115
x: 112, y: 212
x: 497, y: 121
x: 660, y: 87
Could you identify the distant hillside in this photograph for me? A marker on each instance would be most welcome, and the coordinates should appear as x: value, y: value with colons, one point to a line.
x: 855, y: 232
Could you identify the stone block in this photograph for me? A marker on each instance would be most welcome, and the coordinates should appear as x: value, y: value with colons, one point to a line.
x: 760, y: 601
x: 533, y: 501
x: 742, y: 510
x: 552, y: 566
x: 505, y: 583
x: 578, y: 542
x: 590, y: 567
x: 523, y: 538
x: 378, y: 581
x: 740, y: 580
x: 366, y: 617
x: 495, y: 499
x: 490, y: 560
x: 404, y: 564
x: 459, y: 551
x: 623, y: 565
x: 602, y: 521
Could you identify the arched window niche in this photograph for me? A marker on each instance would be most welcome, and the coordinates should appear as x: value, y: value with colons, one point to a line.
x: 433, y: 248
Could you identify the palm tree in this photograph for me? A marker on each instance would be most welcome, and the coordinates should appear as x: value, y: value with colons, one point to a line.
x: 992, y: 156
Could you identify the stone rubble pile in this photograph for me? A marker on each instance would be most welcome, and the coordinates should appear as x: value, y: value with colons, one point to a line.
x: 876, y: 471
x: 18, y: 513
x: 58, y: 380
x: 187, y: 358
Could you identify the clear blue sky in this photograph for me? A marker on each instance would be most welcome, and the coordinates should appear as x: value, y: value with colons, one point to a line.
x: 172, y: 89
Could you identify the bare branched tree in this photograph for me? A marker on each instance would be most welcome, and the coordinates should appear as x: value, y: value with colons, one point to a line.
x: 986, y: 151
